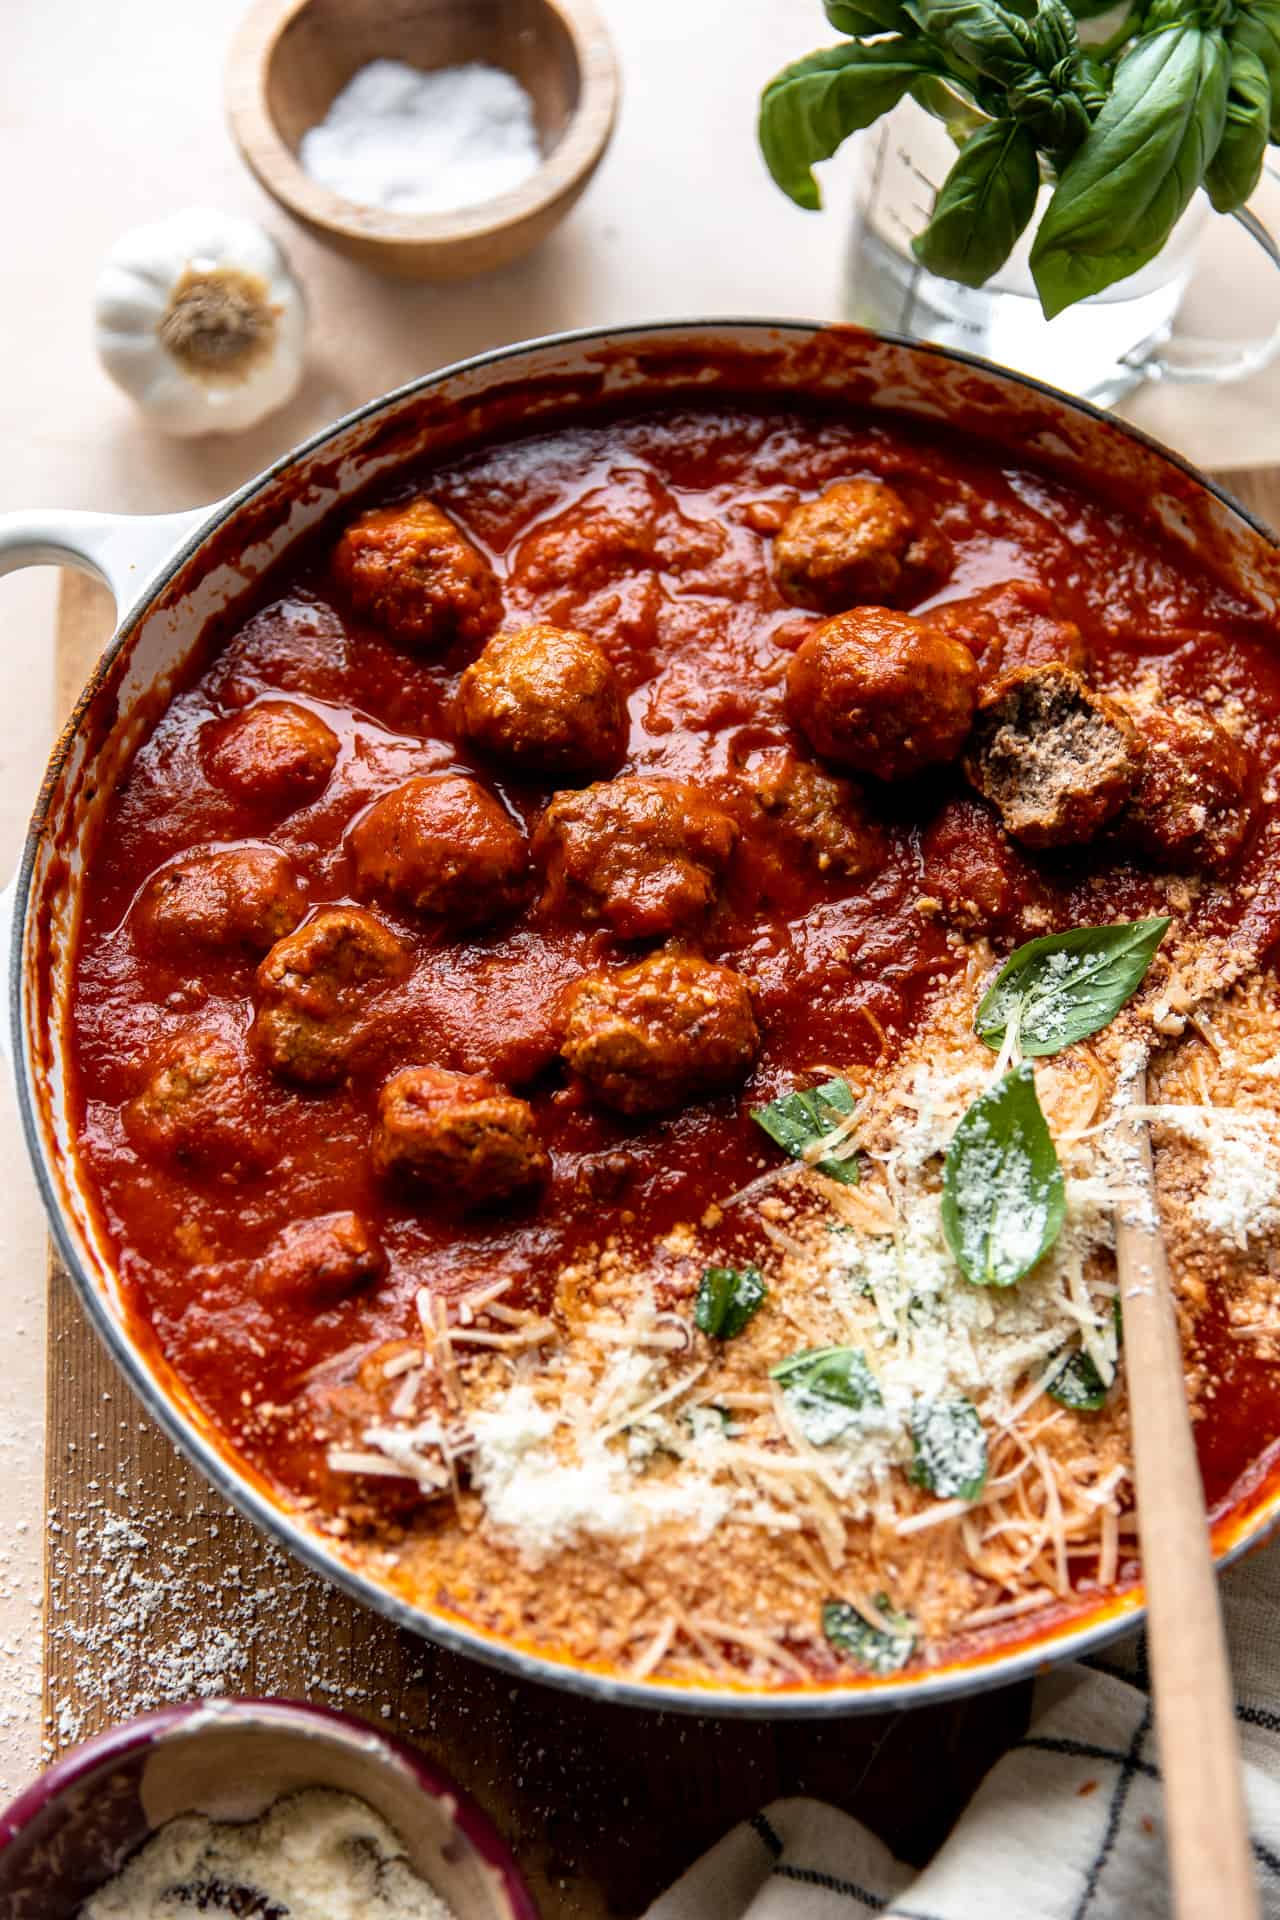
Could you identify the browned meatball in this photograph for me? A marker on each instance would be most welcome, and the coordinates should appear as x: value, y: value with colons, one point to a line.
x: 198, y: 1110
x: 1055, y: 759
x: 223, y: 897
x: 443, y: 846
x: 973, y: 870
x: 858, y: 543
x: 815, y: 815
x: 644, y: 856
x: 670, y: 1029
x: 882, y: 692
x: 1014, y: 624
x: 1188, y: 807
x: 315, y: 1262
x: 546, y: 698
x: 412, y: 572
x: 273, y: 752
x: 461, y: 1136
x: 313, y: 987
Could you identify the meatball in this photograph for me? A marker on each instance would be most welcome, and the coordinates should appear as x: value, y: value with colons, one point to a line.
x: 547, y: 699
x: 316, y: 1262
x: 461, y: 1137
x: 313, y: 986
x: 274, y: 753
x: 815, y: 815
x: 198, y: 1110
x: 976, y: 874
x: 882, y: 692
x: 442, y: 845
x: 1011, y: 625
x: 858, y: 543
x: 1188, y: 807
x: 1055, y: 759
x: 644, y: 856
x: 223, y: 897
x: 670, y: 1029
x: 413, y: 573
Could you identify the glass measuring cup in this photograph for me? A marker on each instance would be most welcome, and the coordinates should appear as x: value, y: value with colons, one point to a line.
x: 1101, y: 349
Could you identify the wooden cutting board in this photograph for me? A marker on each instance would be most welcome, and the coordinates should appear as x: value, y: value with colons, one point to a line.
x: 156, y: 1591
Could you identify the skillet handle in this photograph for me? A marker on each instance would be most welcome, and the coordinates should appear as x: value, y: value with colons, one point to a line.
x: 124, y: 551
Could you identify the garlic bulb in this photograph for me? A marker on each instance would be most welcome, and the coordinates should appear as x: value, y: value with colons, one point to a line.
x: 200, y: 321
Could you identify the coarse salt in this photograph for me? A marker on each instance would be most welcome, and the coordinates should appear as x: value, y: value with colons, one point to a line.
x: 414, y: 142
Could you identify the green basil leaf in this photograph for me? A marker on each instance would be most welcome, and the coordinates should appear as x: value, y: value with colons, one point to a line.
x: 1129, y: 183
x: 863, y: 17
x: 950, y: 1448
x: 985, y: 202
x: 811, y: 107
x: 826, y: 1389
x: 942, y: 99
x: 798, y: 1121
x: 1065, y: 986
x: 994, y: 40
x: 1236, y: 167
x: 1002, y: 1191
x: 727, y: 1298
x: 879, y: 1652
x: 1078, y: 1383
x: 1256, y: 29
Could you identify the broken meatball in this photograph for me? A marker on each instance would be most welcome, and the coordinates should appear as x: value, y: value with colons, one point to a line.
x: 409, y: 570
x: 462, y: 1137
x: 313, y: 987
x: 274, y: 753
x: 442, y: 845
x: 882, y: 692
x: 1055, y: 759
x: 314, y: 1263
x: 670, y: 1029
x: 1014, y: 624
x: 198, y: 1110
x: 644, y: 856
x: 547, y: 699
x: 1189, y: 805
x: 858, y: 543
x: 229, y: 897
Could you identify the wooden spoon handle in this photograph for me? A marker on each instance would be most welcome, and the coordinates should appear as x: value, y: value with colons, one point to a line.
x: 1210, y: 1859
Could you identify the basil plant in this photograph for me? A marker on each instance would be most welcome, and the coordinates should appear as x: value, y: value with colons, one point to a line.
x: 1158, y: 100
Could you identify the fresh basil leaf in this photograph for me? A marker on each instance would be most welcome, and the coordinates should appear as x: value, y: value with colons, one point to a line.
x: 1078, y: 1383
x: 1129, y: 183
x: 950, y: 1448
x: 863, y: 17
x: 1002, y: 1191
x: 727, y: 1298
x: 826, y: 1389
x: 811, y: 107
x: 1256, y: 29
x: 1236, y: 167
x: 994, y: 40
x: 798, y: 1121
x: 879, y: 1652
x: 1065, y: 986
x: 984, y: 204
x: 945, y: 102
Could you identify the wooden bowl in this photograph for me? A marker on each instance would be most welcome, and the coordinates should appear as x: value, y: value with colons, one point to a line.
x: 291, y: 58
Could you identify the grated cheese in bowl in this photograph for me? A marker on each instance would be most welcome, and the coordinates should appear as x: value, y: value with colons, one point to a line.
x: 315, y: 1855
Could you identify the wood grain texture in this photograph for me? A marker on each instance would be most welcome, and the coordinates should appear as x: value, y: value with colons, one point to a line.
x: 156, y: 1591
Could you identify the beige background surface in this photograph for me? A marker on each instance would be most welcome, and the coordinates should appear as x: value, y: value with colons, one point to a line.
x: 109, y: 116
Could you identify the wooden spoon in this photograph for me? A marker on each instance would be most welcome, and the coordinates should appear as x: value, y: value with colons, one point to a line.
x: 1210, y: 1859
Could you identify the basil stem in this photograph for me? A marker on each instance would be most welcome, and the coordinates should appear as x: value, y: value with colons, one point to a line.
x: 1003, y: 1201
x: 728, y: 1297
x: 985, y: 203
x: 1065, y: 986
x: 1126, y: 188
x: 813, y: 106
x: 879, y: 1652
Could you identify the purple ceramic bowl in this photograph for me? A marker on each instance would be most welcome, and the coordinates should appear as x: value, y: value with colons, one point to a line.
x: 80, y: 1821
